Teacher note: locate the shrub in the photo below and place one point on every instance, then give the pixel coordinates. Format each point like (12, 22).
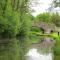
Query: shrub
(9, 19)
(26, 25)
(10, 25)
(3, 24)
(57, 46)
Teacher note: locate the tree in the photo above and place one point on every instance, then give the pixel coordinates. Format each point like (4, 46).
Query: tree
(25, 18)
(55, 18)
(56, 3)
(14, 20)
(11, 15)
(44, 17)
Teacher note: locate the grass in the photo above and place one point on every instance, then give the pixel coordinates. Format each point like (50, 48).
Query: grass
(54, 35)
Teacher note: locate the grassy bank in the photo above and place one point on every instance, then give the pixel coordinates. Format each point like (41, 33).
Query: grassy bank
(57, 49)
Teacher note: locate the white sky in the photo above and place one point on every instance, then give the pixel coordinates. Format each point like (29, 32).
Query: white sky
(39, 6)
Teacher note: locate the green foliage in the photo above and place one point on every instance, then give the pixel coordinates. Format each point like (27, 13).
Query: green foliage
(45, 17)
(32, 17)
(56, 57)
(55, 18)
(10, 21)
(25, 18)
(14, 20)
(56, 49)
(2, 6)
(3, 24)
(14, 24)
(36, 29)
(50, 18)
(26, 25)
(10, 25)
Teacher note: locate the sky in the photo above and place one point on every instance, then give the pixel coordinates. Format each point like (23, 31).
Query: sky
(39, 6)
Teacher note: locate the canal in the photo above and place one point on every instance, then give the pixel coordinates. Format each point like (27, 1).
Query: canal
(41, 51)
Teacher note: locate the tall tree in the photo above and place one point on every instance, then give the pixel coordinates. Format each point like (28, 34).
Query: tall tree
(24, 17)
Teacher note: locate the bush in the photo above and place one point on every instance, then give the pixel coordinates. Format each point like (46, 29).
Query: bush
(10, 25)
(26, 25)
(36, 29)
(3, 24)
(9, 19)
(50, 18)
(57, 47)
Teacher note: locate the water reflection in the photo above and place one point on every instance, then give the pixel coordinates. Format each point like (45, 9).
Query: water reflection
(33, 54)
